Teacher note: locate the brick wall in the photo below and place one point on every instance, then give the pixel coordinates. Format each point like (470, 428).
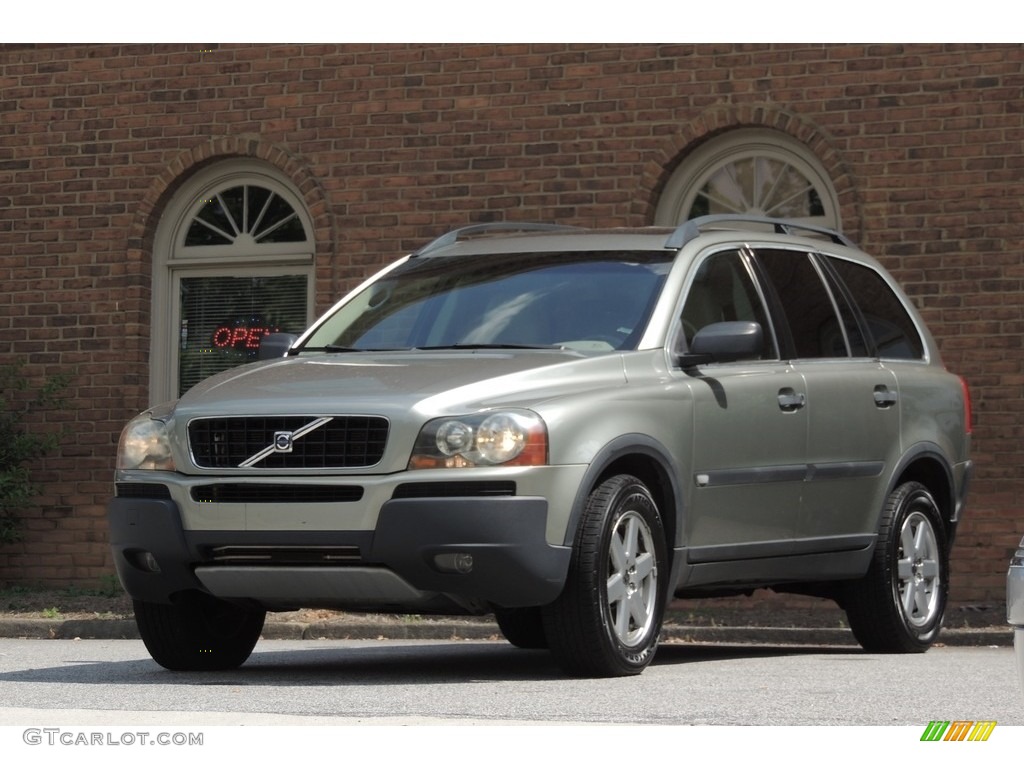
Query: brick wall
(390, 145)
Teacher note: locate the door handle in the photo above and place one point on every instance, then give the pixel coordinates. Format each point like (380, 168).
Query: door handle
(885, 397)
(790, 400)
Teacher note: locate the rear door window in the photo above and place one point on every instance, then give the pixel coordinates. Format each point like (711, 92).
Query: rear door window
(813, 328)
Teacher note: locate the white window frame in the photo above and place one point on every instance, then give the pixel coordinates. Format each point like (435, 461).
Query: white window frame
(742, 144)
(172, 260)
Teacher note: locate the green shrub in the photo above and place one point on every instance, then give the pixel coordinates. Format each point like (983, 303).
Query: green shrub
(20, 445)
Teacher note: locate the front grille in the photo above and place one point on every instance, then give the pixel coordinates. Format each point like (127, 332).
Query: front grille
(253, 493)
(262, 555)
(339, 442)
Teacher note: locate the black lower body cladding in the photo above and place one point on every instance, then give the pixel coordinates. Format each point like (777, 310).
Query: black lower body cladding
(483, 550)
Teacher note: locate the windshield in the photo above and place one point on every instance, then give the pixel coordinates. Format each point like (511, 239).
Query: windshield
(591, 302)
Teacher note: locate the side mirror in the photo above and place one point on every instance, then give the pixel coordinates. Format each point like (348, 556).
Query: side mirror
(276, 345)
(723, 343)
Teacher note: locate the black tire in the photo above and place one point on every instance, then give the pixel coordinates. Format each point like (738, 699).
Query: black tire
(523, 627)
(198, 632)
(898, 606)
(607, 621)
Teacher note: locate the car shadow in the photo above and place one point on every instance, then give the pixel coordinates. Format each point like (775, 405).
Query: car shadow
(330, 663)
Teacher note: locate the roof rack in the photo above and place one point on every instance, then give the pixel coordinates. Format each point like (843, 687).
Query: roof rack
(461, 233)
(688, 230)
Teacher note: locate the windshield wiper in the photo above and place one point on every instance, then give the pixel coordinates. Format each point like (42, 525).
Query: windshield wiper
(492, 346)
(337, 348)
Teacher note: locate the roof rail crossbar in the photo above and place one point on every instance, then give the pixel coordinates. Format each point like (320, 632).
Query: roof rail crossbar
(688, 230)
(494, 226)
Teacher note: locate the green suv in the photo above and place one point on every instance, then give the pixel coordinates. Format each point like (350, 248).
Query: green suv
(566, 428)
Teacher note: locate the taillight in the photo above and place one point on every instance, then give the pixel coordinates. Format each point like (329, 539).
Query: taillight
(968, 414)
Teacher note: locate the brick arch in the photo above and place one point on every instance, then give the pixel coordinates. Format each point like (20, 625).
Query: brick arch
(721, 118)
(150, 207)
(153, 202)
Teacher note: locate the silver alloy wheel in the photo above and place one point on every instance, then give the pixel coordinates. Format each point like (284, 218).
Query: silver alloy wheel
(918, 570)
(632, 587)
(898, 605)
(607, 620)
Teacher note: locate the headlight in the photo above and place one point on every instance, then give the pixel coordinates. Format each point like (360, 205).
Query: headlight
(145, 445)
(510, 438)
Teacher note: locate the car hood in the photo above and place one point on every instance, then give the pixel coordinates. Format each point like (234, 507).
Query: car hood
(394, 383)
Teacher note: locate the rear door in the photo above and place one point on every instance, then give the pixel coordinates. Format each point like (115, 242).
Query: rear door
(852, 402)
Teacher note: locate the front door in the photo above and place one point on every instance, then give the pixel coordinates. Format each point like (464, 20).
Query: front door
(749, 428)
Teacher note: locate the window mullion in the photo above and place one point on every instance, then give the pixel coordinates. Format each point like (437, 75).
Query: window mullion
(269, 230)
(245, 208)
(227, 213)
(263, 212)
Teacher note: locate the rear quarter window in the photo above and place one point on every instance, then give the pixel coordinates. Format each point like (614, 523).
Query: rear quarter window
(889, 325)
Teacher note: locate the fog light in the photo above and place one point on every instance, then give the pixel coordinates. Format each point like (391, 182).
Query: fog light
(143, 560)
(454, 562)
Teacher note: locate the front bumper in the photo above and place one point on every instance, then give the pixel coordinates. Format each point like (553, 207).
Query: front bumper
(447, 555)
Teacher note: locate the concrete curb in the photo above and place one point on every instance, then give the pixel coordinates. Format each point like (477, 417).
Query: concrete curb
(433, 629)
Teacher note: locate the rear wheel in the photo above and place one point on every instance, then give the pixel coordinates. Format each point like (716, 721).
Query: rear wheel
(899, 605)
(198, 632)
(607, 620)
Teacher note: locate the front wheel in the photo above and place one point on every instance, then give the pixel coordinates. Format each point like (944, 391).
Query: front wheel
(607, 620)
(899, 605)
(523, 627)
(198, 632)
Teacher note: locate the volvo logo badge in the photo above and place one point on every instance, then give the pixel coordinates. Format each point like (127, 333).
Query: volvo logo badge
(284, 441)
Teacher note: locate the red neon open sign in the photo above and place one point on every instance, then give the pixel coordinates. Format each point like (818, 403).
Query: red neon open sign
(245, 337)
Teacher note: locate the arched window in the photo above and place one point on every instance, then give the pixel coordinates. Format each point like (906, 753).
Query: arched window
(233, 261)
(750, 171)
